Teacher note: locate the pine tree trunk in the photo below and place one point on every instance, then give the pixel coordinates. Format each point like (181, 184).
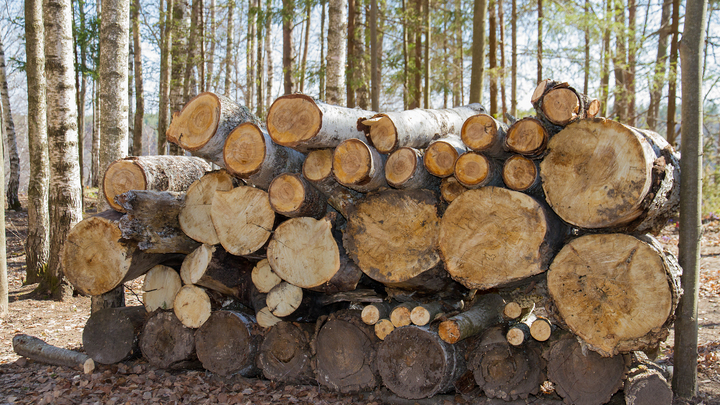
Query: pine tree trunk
(268, 56)
(37, 244)
(179, 55)
(139, 92)
(606, 55)
(230, 21)
(112, 335)
(478, 51)
(493, 44)
(193, 52)
(11, 195)
(95, 149)
(631, 63)
(513, 68)
(540, 41)
(288, 15)
(336, 51)
(352, 58)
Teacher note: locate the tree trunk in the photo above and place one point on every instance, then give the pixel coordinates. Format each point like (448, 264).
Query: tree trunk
(243, 219)
(193, 52)
(483, 133)
(354, 371)
(228, 343)
(204, 124)
(11, 196)
(375, 55)
(285, 353)
(250, 54)
(336, 51)
(112, 335)
(317, 169)
(139, 94)
(65, 192)
(195, 218)
(404, 169)
(620, 63)
(251, 155)
(540, 42)
(293, 196)
(493, 236)
(306, 44)
(166, 343)
(288, 16)
(4, 299)
(415, 363)
(358, 166)
(631, 63)
(179, 26)
(214, 268)
(268, 54)
(95, 149)
(640, 163)
(114, 298)
(36, 349)
(475, 170)
(352, 57)
(164, 86)
(492, 51)
(485, 312)
(323, 62)
(502, 73)
(230, 25)
(657, 82)
(160, 287)
(583, 378)
(152, 221)
(671, 134)
(416, 128)
(157, 173)
(37, 244)
(513, 68)
(212, 35)
(606, 55)
(299, 122)
(441, 154)
(527, 137)
(96, 258)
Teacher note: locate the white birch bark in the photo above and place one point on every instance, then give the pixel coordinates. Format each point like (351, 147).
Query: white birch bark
(10, 139)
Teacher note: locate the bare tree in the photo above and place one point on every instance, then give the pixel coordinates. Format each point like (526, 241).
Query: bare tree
(657, 81)
(166, 34)
(478, 51)
(139, 97)
(336, 50)
(228, 47)
(13, 201)
(288, 16)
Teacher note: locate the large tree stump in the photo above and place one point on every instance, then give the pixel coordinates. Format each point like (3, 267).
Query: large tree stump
(583, 377)
(214, 268)
(243, 219)
(203, 125)
(160, 287)
(228, 343)
(392, 235)
(166, 343)
(616, 292)
(485, 312)
(317, 169)
(195, 219)
(285, 354)
(603, 174)
(415, 363)
(358, 166)
(305, 252)
(159, 173)
(527, 137)
(96, 259)
(299, 122)
(345, 352)
(112, 335)
(38, 350)
(440, 156)
(405, 169)
(557, 104)
(483, 133)
(152, 221)
(475, 170)
(250, 154)
(503, 371)
(492, 236)
(293, 196)
(415, 128)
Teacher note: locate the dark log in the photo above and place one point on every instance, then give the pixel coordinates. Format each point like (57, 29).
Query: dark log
(36, 349)
(645, 383)
(166, 343)
(228, 343)
(112, 335)
(293, 196)
(485, 312)
(317, 169)
(285, 353)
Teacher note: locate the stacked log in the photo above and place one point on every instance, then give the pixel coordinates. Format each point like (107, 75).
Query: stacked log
(474, 249)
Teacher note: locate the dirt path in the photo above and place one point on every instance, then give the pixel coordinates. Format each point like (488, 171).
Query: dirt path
(135, 382)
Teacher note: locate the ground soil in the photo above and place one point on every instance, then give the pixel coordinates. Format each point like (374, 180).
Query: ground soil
(136, 382)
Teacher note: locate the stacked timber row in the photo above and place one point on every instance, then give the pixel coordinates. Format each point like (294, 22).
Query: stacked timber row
(437, 250)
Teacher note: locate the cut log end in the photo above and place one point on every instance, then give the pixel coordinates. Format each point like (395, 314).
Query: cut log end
(527, 137)
(539, 90)
(439, 158)
(541, 329)
(160, 287)
(228, 344)
(352, 162)
(479, 132)
(284, 299)
(318, 165)
(195, 219)
(196, 124)
(194, 265)
(472, 169)
(519, 173)
(420, 316)
(293, 196)
(293, 119)
(382, 134)
(244, 150)
(383, 328)
(400, 166)
(515, 336)
(593, 108)
(122, 176)
(266, 319)
(243, 219)
(450, 189)
(512, 310)
(165, 342)
(263, 277)
(449, 331)
(111, 334)
(561, 105)
(400, 315)
(192, 306)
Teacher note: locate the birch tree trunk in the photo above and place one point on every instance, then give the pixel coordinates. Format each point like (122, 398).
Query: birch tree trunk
(37, 244)
(211, 52)
(336, 50)
(228, 47)
(165, 65)
(11, 195)
(250, 54)
(65, 192)
(139, 96)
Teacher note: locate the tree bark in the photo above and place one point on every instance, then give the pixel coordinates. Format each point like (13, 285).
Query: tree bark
(112, 335)
(352, 57)
(239, 340)
(540, 41)
(513, 67)
(195, 218)
(605, 63)
(166, 343)
(657, 82)
(306, 44)
(358, 166)
(485, 312)
(11, 195)
(671, 134)
(165, 71)
(212, 35)
(160, 287)
(478, 51)
(139, 92)
(293, 196)
(288, 15)
(492, 55)
(193, 52)
(36, 349)
(4, 299)
(243, 219)
(285, 353)
(336, 50)
(268, 54)
(229, 33)
(250, 54)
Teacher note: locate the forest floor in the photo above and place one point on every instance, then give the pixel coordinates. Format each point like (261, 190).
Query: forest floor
(136, 382)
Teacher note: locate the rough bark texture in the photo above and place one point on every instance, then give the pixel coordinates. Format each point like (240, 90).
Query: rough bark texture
(285, 353)
(36, 349)
(159, 173)
(336, 51)
(359, 166)
(243, 219)
(152, 220)
(139, 93)
(37, 245)
(228, 343)
(291, 195)
(65, 194)
(166, 343)
(415, 363)
(317, 169)
(11, 195)
(646, 385)
(195, 219)
(165, 67)
(112, 335)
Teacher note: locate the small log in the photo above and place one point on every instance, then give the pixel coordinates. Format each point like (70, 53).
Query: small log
(284, 299)
(415, 363)
(160, 287)
(192, 306)
(356, 369)
(166, 343)
(195, 219)
(358, 166)
(483, 133)
(285, 354)
(228, 343)
(96, 259)
(301, 123)
(583, 377)
(305, 252)
(405, 169)
(503, 371)
(214, 268)
(527, 137)
(317, 169)
(372, 313)
(263, 276)
(603, 174)
(415, 128)
(515, 310)
(541, 329)
(243, 219)
(630, 285)
(484, 313)
(36, 349)
(383, 328)
(450, 189)
(519, 332)
(440, 156)
(520, 173)
(293, 196)
(493, 236)
(159, 173)
(205, 122)
(557, 104)
(112, 335)
(250, 154)
(645, 383)
(152, 221)
(424, 314)
(263, 316)
(475, 170)
(400, 315)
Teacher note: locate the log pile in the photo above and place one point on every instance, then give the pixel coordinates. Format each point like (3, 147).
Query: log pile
(424, 250)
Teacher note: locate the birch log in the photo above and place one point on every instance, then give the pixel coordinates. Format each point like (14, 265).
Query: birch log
(291, 195)
(317, 169)
(36, 349)
(475, 170)
(527, 137)
(441, 154)
(405, 169)
(483, 133)
(485, 312)
(558, 104)
(358, 166)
